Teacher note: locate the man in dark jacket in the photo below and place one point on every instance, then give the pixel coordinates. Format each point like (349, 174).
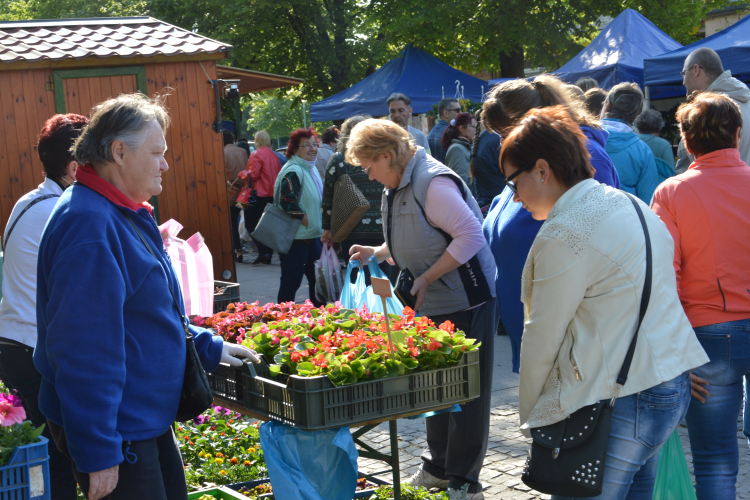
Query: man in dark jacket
(447, 110)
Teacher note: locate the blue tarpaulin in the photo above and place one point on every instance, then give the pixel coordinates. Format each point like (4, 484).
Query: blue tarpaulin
(732, 44)
(616, 55)
(422, 77)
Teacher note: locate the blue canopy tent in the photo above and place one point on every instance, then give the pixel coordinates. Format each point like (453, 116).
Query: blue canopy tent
(616, 55)
(422, 77)
(732, 44)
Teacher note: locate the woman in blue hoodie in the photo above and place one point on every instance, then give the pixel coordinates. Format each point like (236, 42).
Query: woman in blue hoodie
(509, 228)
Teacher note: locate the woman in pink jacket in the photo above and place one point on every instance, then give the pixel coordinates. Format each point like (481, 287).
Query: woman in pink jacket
(707, 211)
(263, 167)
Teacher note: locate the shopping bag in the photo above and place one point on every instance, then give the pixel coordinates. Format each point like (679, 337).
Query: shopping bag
(193, 266)
(304, 465)
(673, 480)
(354, 296)
(329, 281)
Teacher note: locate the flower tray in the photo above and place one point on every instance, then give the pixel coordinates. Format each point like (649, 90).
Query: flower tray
(26, 477)
(227, 382)
(314, 403)
(231, 293)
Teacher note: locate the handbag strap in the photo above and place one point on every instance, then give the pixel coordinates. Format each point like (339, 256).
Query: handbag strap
(623, 376)
(151, 251)
(26, 208)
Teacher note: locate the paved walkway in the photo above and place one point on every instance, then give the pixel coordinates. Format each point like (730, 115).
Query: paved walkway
(501, 474)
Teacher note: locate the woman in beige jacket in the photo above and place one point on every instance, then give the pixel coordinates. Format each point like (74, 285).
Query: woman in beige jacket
(582, 286)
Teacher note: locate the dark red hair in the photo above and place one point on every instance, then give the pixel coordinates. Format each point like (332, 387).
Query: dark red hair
(451, 131)
(55, 140)
(296, 137)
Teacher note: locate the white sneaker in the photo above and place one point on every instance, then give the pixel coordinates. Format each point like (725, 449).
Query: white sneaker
(427, 480)
(463, 494)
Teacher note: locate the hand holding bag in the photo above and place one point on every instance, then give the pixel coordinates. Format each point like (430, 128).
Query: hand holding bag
(276, 228)
(568, 457)
(196, 396)
(349, 206)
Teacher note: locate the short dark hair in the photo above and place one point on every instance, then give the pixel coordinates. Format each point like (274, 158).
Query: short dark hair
(55, 140)
(228, 137)
(445, 104)
(709, 122)
(625, 102)
(594, 101)
(296, 137)
(708, 60)
(587, 83)
(330, 135)
(551, 134)
(649, 122)
(398, 96)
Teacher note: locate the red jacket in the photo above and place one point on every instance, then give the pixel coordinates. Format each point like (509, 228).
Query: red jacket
(707, 211)
(264, 166)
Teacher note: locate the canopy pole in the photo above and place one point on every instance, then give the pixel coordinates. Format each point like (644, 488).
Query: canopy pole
(647, 101)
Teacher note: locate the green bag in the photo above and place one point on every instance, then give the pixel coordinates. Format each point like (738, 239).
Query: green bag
(673, 480)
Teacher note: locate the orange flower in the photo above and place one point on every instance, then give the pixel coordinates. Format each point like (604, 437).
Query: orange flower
(447, 326)
(233, 461)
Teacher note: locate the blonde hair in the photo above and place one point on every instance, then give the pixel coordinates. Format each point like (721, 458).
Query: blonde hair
(372, 137)
(262, 139)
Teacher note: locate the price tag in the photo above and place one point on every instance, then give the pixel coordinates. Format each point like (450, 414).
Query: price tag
(382, 288)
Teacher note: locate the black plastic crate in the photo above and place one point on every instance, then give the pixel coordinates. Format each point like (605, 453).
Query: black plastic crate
(314, 403)
(231, 294)
(227, 382)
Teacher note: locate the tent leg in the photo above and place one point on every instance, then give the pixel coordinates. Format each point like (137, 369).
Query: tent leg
(647, 101)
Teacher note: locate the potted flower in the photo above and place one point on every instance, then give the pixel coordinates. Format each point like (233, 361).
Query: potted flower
(15, 430)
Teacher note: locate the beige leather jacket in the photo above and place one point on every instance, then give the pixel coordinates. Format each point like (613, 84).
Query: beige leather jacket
(581, 289)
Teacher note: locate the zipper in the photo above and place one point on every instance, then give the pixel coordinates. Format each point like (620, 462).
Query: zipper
(722, 294)
(573, 361)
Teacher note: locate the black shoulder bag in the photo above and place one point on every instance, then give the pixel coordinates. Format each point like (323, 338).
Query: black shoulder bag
(33, 202)
(567, 458)
(196, 396)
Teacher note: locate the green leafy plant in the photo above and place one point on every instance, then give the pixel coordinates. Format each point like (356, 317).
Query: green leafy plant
(14, 430)
(408, 492)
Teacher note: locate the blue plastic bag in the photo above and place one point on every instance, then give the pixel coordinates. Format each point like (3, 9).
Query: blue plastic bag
(302, 465)
(354, 296)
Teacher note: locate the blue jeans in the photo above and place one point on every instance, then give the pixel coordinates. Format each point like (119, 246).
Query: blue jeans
(713, 425)
(299, 262)
(641, 424)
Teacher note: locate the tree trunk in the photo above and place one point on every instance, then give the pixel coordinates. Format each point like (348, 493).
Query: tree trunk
(511, 63)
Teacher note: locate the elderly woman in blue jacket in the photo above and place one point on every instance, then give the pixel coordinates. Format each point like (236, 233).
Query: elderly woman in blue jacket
(111, 342)
(509, 228)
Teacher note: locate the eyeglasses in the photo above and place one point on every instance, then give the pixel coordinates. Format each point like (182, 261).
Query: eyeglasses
(684, 72)
(309, 145)
(509, 180)
(456, 110)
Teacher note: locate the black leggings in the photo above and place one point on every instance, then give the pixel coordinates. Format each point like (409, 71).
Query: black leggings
(152, 468)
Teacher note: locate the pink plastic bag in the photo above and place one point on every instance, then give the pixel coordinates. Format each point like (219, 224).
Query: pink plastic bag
(194, 267)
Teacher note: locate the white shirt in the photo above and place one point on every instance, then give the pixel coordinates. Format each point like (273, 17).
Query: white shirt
(18, 305)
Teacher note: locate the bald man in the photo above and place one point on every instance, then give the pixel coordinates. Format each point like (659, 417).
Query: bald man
(703, 72)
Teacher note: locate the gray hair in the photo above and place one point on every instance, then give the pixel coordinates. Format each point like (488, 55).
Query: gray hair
(625, 102)
(346, 130)
(443, 105)
(649, 122)
(707, 59)
(122, 118)
(398, 96)
(586, 83)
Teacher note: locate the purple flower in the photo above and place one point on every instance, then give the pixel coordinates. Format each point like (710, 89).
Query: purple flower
(218, 410)
(200, 419)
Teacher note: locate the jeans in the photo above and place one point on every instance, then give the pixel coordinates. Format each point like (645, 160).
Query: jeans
(641, 424)
(457, 441)
(713, 425)
(252, 217)
(152, 468)
(18, 372)
(298, 262)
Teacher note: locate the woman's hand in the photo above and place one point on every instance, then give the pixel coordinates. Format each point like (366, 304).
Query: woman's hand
(103, 482)
(304, 221)
(326, 238)
(699, 392)
(232, 354)
(361, 253)
(418, 290)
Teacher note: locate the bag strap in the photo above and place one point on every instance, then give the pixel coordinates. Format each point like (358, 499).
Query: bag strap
(623, 376)
(150, 250)
(33, 202)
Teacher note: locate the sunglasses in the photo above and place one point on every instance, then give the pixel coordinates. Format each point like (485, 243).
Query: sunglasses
(509, 180)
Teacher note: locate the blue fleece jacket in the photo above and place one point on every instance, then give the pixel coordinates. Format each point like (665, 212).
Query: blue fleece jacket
(111, 347)
(634, 162)
(510, 230)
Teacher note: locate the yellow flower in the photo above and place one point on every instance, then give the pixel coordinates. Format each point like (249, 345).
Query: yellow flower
(251, 450)
(219, 460)
(223, 472)
(202, 454)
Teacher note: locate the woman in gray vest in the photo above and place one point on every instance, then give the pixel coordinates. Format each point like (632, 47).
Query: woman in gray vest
(432, 228)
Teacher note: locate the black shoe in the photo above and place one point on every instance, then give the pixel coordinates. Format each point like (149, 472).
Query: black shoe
(262, 259)
(238, 257)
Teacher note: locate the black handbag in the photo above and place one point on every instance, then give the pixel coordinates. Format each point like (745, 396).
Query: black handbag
(568, 458)
(196, 396)
(403, 288)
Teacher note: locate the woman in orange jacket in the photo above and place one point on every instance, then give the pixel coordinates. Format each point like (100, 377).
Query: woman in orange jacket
(707, 211)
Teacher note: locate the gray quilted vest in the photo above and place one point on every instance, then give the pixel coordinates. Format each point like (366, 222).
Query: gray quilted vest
(416, 245)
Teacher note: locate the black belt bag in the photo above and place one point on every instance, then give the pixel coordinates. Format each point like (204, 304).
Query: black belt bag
(568, 458)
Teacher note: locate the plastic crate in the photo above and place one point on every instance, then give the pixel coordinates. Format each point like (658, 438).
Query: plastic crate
(26, 477)
(220, 493)
(314, 403)
(231, 294)
(227, 382)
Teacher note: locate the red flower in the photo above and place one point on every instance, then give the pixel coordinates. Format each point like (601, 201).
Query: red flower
(447, 326)
(434, 345)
